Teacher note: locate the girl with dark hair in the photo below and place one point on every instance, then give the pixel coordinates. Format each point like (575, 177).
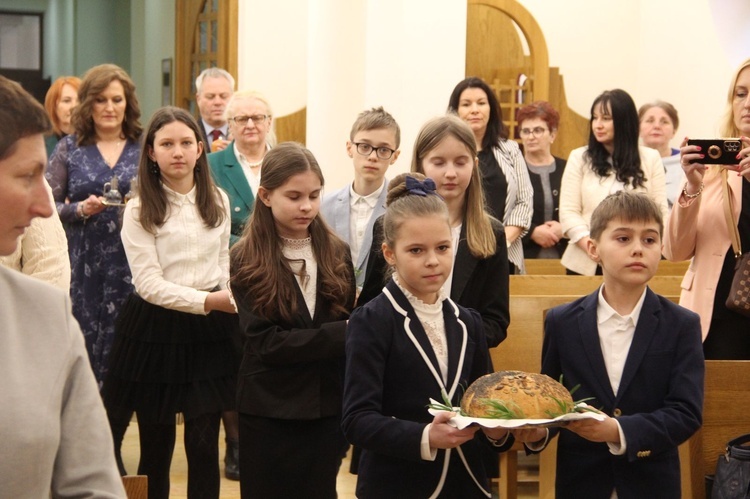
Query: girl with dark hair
(293, 282)
(611, 162)
(173, 351)
(414, 330)
(505, 179)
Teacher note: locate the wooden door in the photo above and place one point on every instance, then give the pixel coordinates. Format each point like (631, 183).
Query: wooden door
(205, 36)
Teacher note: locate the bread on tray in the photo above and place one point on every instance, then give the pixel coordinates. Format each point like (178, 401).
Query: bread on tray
(516, 395)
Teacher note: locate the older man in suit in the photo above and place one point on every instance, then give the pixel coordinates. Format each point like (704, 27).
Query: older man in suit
(213, 89)
(55, 437)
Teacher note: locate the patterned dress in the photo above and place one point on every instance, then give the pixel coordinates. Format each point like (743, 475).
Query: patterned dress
(100, 276)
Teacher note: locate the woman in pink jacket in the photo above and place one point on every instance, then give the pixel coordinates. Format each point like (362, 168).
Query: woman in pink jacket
(697, 229)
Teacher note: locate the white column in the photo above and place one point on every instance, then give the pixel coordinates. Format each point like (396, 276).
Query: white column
(406, 55)
(336, 55)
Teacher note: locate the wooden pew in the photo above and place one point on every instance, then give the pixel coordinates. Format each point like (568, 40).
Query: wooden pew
(542, 266)
(580, 285)
(726, 415)
(522, 351)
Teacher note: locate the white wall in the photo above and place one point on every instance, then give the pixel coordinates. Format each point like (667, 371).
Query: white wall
(413, 54)
(667, 49)
(341, 58)
(272, 39)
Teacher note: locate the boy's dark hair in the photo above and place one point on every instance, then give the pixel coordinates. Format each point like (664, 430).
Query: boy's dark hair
(628, 206)
(20, 116)
(373, 119)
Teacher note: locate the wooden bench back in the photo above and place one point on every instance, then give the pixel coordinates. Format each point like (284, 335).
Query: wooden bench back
(574, 285)
(726, 415)
(541, 266)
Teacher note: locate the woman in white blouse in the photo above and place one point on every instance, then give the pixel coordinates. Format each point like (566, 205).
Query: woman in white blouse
(611, 162)
(172, 351)
(508, 193)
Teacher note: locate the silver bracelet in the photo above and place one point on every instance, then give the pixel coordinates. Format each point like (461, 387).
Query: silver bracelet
(692, 196)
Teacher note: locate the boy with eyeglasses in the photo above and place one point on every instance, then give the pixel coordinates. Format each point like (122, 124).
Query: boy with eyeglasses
(351, 212)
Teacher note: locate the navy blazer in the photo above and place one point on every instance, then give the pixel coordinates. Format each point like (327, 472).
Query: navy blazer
(659, 403)
(336, 209)
(391, 372)
(481, 284)
(530, 248)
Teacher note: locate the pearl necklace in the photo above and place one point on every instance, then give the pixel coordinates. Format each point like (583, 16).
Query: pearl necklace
(255, 165)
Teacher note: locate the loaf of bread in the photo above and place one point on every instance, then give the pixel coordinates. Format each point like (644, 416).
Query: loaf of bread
(516, 395)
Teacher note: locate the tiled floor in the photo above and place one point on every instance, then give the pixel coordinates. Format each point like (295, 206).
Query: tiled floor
(231, 490)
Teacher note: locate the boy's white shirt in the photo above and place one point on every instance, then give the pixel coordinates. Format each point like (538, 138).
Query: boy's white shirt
(361, 209)
(615, 338)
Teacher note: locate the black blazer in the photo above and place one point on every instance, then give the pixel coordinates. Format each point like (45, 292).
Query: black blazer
(204, 136)
(478, 284)
(391, 372)
(659, 403)
(292, 370)
(530, 248)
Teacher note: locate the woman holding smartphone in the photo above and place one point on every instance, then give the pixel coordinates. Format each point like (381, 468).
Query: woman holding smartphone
(697, 229)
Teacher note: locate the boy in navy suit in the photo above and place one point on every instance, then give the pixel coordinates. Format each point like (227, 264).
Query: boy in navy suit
(351, 212)
(636, 355)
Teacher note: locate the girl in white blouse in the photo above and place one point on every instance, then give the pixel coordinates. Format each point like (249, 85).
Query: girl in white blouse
(293, 281)
(173, 351)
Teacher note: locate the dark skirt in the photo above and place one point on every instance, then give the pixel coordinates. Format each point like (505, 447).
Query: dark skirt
(165, 362)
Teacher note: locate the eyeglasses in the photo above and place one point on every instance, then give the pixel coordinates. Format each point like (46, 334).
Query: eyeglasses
(366, 149)
(257, 119)
(536, 131)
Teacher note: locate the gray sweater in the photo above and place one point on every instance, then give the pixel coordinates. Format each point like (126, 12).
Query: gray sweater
(53, 427)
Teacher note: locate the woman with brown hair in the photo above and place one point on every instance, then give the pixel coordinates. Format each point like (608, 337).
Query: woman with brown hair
(104, 147)
(59, 102)
(103, 150)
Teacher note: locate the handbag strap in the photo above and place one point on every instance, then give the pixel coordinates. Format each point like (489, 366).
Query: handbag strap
(735, 447)
(731, 226)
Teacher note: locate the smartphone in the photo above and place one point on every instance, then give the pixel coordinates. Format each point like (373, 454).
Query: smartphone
(717, 151)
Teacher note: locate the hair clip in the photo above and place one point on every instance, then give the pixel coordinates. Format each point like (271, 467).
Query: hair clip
(423, 188)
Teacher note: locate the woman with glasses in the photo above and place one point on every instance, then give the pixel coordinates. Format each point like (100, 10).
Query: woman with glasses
(236, 169)
(611, 162)
(505, 180)
(538, 123)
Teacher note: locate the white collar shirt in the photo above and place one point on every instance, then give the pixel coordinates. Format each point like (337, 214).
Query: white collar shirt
(361, 209)
(616, 335)
(251, 174)
(183, 260)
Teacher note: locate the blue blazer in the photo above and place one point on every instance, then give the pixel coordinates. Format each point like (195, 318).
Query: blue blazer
(659, 403)
(227, 173)
(336, 209)
(391, 372)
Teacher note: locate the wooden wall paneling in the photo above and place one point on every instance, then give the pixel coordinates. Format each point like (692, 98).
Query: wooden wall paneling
(292, 127)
